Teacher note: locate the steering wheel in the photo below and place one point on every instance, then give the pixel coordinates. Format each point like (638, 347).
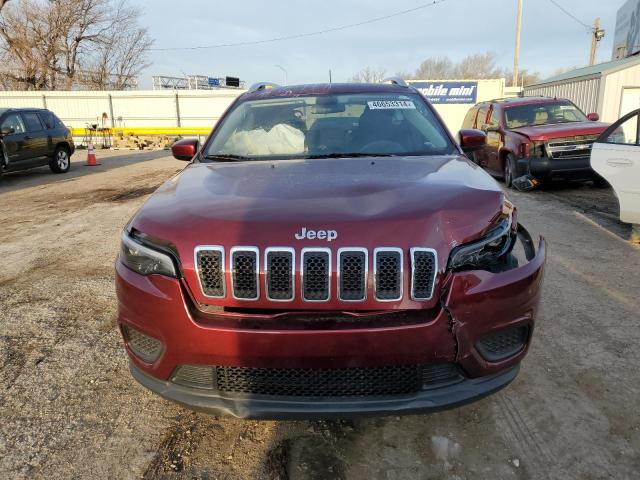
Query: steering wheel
(381, 146)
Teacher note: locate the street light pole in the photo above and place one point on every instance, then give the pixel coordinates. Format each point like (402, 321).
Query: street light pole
(516, 56)
(284, 71)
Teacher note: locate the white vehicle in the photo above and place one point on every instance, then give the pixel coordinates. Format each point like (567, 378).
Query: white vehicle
(615, 155)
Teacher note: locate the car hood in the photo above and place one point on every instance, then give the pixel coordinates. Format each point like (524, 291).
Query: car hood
(561, 130)
(433, 201)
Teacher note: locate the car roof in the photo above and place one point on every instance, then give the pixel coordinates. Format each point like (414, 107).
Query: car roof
(22, 109)
(516, 101)
(324, 89)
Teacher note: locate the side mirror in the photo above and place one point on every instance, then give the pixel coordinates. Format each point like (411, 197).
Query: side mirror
(594, 117)
(6, 131)
(185, 149)
(471, 140)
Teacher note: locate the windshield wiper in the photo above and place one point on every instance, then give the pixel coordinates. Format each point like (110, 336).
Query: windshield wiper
(225, 157)
(350, 155)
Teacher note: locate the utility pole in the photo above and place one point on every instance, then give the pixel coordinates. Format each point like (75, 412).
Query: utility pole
(596, 35)
(284, 71)
(516, 56)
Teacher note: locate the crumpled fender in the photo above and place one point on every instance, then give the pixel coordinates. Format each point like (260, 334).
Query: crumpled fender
(480, 302)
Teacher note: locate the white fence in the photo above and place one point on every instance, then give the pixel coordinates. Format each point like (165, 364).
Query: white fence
(139, 108)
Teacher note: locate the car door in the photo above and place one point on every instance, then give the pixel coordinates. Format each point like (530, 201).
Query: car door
(13, 144)
(36, 137)
(494, 140)
(615, 156)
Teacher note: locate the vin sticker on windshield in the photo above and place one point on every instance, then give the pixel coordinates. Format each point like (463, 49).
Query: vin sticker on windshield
(390, 104)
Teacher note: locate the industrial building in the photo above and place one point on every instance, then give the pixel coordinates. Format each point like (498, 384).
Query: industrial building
(611, 89)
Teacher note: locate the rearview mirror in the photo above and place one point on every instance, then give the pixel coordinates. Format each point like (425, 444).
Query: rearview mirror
(594, 117)
(6, 131)
(471, 140)
(185, 149)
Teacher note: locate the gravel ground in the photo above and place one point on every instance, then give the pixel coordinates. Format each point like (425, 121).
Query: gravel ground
(69, 408)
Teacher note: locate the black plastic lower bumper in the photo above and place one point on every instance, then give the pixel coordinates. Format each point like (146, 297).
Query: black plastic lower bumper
(268, 407)
(547, 168)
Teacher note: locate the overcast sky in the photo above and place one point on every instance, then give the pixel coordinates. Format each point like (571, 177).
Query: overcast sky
(454, 28)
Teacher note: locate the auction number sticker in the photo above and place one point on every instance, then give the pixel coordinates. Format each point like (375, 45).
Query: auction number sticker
(390, 104)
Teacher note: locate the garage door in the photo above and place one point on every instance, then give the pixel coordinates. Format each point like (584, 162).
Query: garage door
(630, 100)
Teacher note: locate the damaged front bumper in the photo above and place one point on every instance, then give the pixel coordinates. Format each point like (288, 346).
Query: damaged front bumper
(474, 306)
(545, 168)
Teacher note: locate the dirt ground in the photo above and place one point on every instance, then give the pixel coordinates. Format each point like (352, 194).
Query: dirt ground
(69, 408)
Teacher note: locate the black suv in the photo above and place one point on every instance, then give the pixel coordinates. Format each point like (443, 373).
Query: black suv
(33, 137)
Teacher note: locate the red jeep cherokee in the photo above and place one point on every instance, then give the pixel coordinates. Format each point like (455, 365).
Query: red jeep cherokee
(544, 137)
(328, 251)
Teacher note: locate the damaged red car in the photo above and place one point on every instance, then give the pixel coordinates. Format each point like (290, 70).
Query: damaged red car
(328, 251)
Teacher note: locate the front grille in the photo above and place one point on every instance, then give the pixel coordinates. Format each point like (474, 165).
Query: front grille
(146, 348)
(352, 268)
(504, 343)
(571, 147)
(316, 273)
(210, 265)
(280, 274)
(244, 273)
(388, 273)
(280, 269)
(336, 382)
(423, 263)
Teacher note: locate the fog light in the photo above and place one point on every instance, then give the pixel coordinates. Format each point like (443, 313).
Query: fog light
(146, 348)
(504, 343)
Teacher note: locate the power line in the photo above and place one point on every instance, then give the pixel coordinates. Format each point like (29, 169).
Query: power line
(307, 34)
(567, 12)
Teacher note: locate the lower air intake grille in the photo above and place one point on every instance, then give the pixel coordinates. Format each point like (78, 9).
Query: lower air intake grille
(388, 275)
(316, 270)
(423, 274)
(198, 376)
(339, 382)
(279, 273)
(503, 344)
(146, 348)
(245, 274)
(353, 275)
(210, 264)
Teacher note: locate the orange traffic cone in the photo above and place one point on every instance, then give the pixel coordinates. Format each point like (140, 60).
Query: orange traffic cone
(91, 157)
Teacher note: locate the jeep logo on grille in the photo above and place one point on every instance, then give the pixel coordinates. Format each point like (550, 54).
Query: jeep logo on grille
(328, 235)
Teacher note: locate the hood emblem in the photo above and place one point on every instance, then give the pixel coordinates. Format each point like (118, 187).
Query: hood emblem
(328, 235)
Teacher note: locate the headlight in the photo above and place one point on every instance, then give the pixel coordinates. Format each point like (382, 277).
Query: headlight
(144, 260)
(486, 252)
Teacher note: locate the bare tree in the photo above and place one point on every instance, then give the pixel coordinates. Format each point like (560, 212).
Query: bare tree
(434, 68)
(369, 75)
(94, 44)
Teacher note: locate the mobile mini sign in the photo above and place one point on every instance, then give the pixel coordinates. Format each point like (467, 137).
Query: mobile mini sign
(448, 92)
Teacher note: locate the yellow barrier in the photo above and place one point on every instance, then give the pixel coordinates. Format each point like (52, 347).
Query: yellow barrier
(147, 131)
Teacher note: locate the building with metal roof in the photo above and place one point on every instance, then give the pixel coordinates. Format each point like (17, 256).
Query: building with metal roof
(610, 89)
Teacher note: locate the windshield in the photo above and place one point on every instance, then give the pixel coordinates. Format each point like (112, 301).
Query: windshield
(543, 114)
(329, 126)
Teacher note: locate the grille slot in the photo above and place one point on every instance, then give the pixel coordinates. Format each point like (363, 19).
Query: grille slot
(210, 265)
(337, 382)
(146, 348)
(388, 274)
(316, 274)
(244, 273)
(423, 273)
(353, 268)
(198, 376)
(280, 274)
(504, 343)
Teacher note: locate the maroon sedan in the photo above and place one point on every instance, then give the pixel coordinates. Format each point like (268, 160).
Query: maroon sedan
(328, 251)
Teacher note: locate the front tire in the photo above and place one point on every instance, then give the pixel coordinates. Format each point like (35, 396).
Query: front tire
(509, 170)
(61, 161)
